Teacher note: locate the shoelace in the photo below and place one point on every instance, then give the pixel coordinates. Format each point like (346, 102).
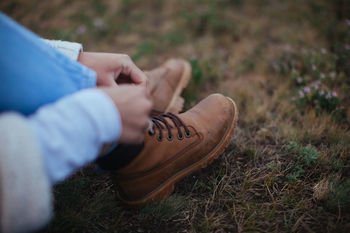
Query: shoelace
(159, 122)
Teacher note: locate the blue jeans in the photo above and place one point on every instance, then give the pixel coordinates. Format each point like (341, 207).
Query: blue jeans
(33, 73)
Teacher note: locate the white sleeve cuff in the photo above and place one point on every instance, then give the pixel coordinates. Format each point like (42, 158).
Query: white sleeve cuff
(70, 49)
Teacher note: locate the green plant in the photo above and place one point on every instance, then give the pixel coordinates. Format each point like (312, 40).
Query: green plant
(306, 155)
(124, 27)
(99, 7)
(125, 7)
(313, 76)
(296, 174)
(175, 37)
(202, 73)
(144, 48)
(284, 63)
(342, 49)
(317, 97)
(205, 226)
(65, 35)
(339, 197)
(197, 73)
(288, 221)
(209, 17)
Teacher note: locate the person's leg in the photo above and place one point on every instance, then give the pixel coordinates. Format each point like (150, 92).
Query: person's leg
(33, 73)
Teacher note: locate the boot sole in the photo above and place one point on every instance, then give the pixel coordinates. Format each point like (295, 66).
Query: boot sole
(166, 188)
(176, 102)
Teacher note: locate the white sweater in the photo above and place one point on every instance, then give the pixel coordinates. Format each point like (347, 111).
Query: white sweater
(25, 193)
(44, 148)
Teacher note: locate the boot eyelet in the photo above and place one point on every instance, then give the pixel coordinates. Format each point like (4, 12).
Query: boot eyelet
(180, 136)
(188, 134)
(159, 138)
(169, 137)
(150, 133)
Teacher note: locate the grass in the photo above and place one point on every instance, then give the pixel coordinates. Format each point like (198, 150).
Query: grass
(144, 48)
(286, 65)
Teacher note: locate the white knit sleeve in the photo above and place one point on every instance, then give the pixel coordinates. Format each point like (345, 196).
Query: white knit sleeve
(25, 192)
(72, 130)
(70, 49)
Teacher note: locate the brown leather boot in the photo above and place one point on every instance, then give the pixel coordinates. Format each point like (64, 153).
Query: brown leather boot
(176, 146)
(166, 83)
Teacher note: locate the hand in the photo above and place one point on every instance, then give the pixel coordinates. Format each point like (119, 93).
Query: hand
(134, 108)
(113, 68)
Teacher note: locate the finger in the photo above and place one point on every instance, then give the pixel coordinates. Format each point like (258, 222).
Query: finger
(110, 81)
(105, 80)
(147, 126)
(147, 99)
(136, 75)
(116, 74)
(148, 105)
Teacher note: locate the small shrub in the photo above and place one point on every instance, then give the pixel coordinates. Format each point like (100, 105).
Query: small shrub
(284, 63)
(318, 98)
(197, 73)
(313, 75)
(202, 73)
(305, 158)
(306, 155)
(296, 174)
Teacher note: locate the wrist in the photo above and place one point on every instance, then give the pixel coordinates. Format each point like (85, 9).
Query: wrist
(82, 58)
(80, 55)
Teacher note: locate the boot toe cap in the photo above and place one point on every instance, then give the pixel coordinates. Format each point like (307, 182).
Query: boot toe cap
(217, 118)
